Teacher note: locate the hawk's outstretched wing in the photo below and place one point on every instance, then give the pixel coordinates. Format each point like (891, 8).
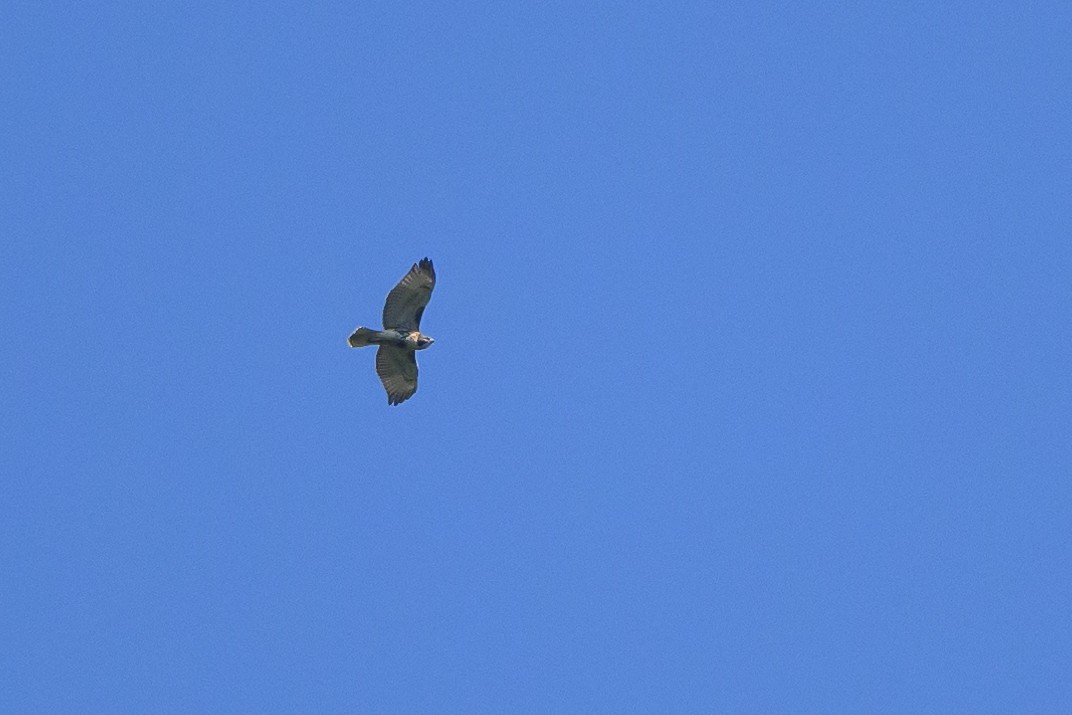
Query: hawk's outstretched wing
(397, 368)
(406, 301)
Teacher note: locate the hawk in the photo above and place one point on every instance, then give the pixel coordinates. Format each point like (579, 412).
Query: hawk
(396, 359)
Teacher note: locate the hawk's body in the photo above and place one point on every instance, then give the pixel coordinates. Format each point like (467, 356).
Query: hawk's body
(396, 361)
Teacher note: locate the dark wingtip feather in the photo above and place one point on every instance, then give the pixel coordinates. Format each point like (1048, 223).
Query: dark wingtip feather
(425, 264)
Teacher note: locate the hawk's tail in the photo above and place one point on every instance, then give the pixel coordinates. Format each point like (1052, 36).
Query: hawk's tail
(362, 337)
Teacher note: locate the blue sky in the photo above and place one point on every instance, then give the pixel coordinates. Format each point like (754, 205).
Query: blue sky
(750, 389)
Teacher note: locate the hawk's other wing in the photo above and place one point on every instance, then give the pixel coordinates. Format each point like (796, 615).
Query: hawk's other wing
(397, 368)
(406, 301)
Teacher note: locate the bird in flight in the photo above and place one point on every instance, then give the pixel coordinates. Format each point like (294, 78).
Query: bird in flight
(396, 359)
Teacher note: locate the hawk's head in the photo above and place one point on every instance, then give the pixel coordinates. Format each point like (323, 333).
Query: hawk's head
(424, 341)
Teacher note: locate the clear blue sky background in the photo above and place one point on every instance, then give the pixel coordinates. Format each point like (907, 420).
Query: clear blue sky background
(750, 389)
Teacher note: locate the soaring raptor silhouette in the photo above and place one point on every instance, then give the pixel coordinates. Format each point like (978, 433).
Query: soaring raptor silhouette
(396, 360)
